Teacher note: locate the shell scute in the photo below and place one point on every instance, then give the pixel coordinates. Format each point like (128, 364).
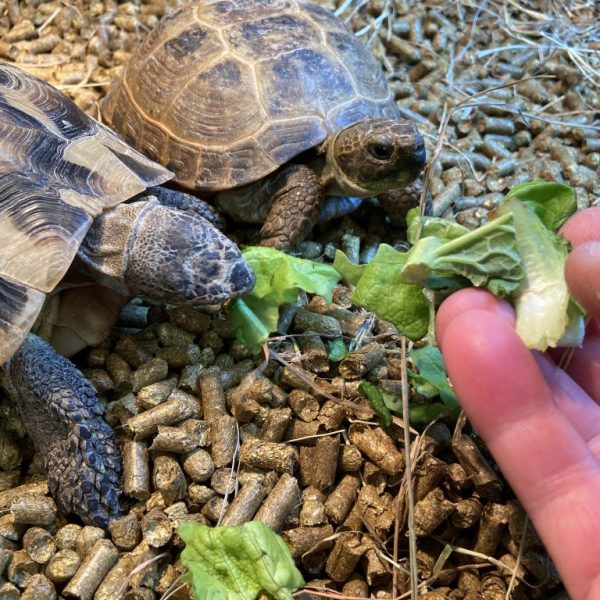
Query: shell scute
(58, 169)
(187, 42)
(264, 39)
(368, 82)
(215, 115)
(225, 11)
(358, 109)
(282, 140)
(19, 307)
(303, 82)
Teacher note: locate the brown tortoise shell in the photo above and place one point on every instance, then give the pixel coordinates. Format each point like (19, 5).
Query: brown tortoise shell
(58, 170)
(223, 92)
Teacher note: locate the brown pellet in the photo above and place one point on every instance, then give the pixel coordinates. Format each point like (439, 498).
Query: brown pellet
(275, 424)
(318, 465)
(493, 521)
(342, 498)
(213, 396)
(24, 30)
(487, 483)
(32, 509)
(153, 371)
(269, 456)
(8, 496)
(136, 470)
(168, 478)
(62, 566)
(38, 543)
(302, 539)
(379, 447)
(173, 439)
(304, 405)
(155, 393)
(39, 587)
(178, 407)
(21, 568)
(87, 538)
(9, 591)
(466, 513)
(224, 440)
(125, 532)
(314, 353)
(245, 504)
(344, 557)
(92, 571)
(115, 580)
(376, 510)
(132, 352)
(402, 48)
(156, 529)
(321, 324)
(499, 125)
(362, 360)
(198, 465)
(431, 511)
(280, 502)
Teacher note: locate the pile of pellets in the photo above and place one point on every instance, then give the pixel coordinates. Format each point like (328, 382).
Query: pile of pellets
(212, 434)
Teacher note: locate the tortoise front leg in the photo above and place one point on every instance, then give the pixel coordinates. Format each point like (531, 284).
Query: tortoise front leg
(288, 203)
(297, 195)
(398, 202)
(63, 417)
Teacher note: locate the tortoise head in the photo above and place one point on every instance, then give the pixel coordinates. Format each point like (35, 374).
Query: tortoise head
(375, 156)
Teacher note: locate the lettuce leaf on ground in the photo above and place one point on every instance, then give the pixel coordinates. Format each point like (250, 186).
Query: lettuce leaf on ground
(432, 370)
(383, 289)
(237, 563)
(279, 279)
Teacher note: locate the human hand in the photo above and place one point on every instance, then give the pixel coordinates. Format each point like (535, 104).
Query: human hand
(542, 424)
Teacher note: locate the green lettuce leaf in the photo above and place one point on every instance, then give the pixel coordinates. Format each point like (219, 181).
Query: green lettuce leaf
(279, 279)
(383, 290)
(552, 202)
(432, 370)
(349, 271)
(336, 349)
(542, 299)
(442, 229)
(237, 563)
(484, 255)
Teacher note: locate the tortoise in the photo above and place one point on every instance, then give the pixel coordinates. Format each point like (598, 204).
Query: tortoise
(64, 183)
(271, 105)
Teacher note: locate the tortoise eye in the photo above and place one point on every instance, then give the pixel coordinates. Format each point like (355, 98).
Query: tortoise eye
(381, 151)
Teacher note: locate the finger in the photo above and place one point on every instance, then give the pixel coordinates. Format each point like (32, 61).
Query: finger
(547, 463)
(584, 366)
(574, 402)
(582, 272)
(469, 299)
(583, 226)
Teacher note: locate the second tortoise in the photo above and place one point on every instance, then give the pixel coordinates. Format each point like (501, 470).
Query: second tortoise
(273, 105)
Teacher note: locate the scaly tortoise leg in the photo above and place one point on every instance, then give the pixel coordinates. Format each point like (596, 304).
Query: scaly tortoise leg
(397, 203)
(63, 417)
(287, 202)
(297, 195)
